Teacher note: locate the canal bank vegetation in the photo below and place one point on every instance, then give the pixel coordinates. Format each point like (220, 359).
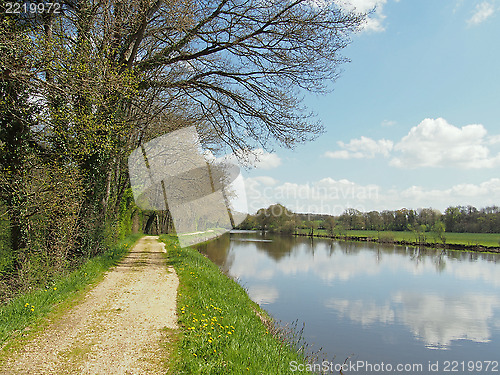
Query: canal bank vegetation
(460, 227)
(222, 331)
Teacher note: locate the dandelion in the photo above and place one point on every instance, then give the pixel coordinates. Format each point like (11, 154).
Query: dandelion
(55, 288)
(26, 305)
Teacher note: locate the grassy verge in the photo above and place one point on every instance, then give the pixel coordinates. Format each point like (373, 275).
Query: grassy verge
(221, 330)
(470, 239)
(25, 311)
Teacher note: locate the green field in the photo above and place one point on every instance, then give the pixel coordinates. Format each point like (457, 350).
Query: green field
(472, 239)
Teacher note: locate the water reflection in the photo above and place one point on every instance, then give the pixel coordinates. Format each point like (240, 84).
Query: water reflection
(403, 299)
(438, 320)
(435, 320)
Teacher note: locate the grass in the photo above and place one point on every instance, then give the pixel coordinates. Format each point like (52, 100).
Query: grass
(221, 330)
(472, 239)
(26, 311)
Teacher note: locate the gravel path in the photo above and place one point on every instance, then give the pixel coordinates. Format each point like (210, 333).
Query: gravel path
(116, 329)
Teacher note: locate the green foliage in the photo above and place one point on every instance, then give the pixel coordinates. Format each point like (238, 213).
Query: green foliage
(222, 330)
(276, 219)
(438, 230)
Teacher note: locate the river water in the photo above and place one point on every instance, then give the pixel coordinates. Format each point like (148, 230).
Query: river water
(380, 307)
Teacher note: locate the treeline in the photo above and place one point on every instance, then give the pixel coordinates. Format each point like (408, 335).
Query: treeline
(458, 219)
(85, 84)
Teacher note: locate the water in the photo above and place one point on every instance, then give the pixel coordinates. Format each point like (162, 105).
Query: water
(374, 304)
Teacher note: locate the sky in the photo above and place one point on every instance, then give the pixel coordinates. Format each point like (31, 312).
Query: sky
(413, 121)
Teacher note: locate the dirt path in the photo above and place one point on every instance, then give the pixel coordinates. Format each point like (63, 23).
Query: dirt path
(118, 326)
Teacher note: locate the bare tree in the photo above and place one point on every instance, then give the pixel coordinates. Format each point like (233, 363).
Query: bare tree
(238, 66)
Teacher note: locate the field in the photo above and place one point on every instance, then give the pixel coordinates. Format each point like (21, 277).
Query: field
(472, 239)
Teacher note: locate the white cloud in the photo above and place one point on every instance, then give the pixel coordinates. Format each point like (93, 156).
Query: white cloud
(432, 143)
(324, 196)
(437, 320)
(482, 12)
(258, 158)
(375, 21)
(388, 123)
(480, 195)
(440, 320)
(334, 196)
(263, 294)
(265, 180)
(361, 311)
(436, 143)
(363, 147)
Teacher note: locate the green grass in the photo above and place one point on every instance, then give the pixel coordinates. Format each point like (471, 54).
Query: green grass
(220, 331)
(24, 312)
(473, 239)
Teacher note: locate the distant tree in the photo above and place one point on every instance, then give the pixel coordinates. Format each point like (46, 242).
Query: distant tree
(452, 218)
(312, 226)
(352, 219)
(387, 219)
(428, 216)
(373, 220)
(438, 230)
(329, 223)
(419, 230)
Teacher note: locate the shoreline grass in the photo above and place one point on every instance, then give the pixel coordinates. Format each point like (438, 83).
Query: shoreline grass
(222, 331)
(466, 239)
(25, 313)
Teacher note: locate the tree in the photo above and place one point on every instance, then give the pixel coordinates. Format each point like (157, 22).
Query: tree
(438, 229)
(115, 74)
(352, 219)
(16, 119)
(329, 224)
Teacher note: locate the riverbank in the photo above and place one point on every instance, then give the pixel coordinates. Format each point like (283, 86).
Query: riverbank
(222, 331)
(479, 242)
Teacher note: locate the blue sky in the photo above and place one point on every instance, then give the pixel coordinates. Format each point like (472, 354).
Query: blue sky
(413, 121)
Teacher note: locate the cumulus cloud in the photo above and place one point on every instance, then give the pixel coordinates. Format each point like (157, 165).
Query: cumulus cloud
(324, 196)
(334, 196)
(440, 320)
(432, 143)
(362, 148)
(263, 294)
(483, 194)
(258, 158)
(436, 320)
(388, 123)
(436, 143)
(375, 20)
(482, 12)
